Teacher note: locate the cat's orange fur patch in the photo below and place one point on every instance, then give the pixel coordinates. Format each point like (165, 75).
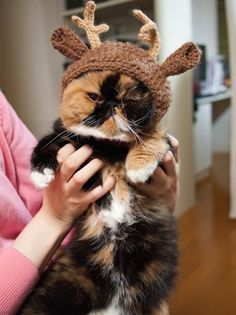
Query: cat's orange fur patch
(152, 150)
(150, 272)
(120, 113)
(118, 172)
(126, 81)
(75, 104)
(104, 256)
(93, 227)
(121, 187)
(109, 127)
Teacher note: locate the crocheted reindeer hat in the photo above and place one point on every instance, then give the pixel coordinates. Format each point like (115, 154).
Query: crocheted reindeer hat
(122, 57)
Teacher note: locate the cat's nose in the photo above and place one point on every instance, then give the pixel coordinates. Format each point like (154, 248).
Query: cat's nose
(111, 104)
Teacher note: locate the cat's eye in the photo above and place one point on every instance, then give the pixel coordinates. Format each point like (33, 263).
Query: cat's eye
(132, 99)
(93, 96)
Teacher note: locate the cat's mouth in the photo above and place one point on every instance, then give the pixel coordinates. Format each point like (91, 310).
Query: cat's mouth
(113, 128)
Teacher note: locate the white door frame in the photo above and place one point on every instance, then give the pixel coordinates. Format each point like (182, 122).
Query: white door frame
(231, 23)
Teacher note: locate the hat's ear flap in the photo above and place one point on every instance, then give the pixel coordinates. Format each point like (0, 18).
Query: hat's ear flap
(183, 59)
(68, 43)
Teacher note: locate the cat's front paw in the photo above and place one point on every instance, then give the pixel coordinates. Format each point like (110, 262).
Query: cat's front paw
(42, 179)
(141, 175)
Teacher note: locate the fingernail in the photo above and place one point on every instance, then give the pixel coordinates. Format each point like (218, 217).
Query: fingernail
(168, 156)
(88, 148)
(59, 158)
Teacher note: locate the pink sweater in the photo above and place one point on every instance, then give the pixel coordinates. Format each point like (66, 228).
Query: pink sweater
(19, 201)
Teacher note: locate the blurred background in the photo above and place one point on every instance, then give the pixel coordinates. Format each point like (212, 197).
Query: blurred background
(202, 117)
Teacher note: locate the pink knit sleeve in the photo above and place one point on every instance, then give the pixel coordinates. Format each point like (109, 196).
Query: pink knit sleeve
(21, 143)
(16, 281)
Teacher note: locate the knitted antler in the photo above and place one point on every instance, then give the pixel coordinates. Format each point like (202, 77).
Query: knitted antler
(148, 33)
(88, 24)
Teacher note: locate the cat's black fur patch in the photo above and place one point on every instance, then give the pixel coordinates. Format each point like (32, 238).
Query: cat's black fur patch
(139, 108)
(109, 88)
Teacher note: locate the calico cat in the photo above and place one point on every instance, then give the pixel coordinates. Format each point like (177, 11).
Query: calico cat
(123, 257)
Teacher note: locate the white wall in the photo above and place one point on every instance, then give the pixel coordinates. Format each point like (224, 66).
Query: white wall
(30, 67)
(231, 18)
(202, 130)
(175, 26)
(205, 24)
(221, 134)
(205, 31)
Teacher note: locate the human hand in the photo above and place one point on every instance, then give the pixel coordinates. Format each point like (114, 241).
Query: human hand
(163, 185)
(64, 198)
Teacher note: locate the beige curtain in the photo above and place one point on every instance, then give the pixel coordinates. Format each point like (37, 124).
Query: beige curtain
(231, 23)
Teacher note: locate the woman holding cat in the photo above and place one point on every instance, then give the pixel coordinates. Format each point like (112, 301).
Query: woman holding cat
(33, 226)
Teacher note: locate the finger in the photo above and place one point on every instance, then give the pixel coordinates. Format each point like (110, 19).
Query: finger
(84, 174)
(169, 164)
(157, 183)
(175, 145)
(159, 176)
(74, 161)
(64, 152)
(100, 190)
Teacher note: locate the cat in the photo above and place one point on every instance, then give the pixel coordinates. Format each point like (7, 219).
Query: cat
(123, 257)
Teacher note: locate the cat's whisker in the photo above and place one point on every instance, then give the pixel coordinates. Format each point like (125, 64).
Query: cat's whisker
(89, 120)
(131, 89)
(142, 118)
(136, 122)
(122, 103)
(59, 141)
(139, 131)
(97, 122)
(64, 132)
(133, 132)
(92, 121)
(133, 124)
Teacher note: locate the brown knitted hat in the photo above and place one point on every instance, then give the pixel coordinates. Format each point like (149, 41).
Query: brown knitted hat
(125, 58)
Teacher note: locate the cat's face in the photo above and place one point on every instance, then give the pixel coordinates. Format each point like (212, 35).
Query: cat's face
(108, 105)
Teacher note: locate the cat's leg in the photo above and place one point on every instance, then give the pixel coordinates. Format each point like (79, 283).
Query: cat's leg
(143, 158)
(43, 160)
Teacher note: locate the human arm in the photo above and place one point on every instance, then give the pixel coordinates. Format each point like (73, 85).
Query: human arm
(19, 200)
(64, 200)
(16, 144)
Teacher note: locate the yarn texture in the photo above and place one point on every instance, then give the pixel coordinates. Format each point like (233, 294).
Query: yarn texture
(124, 58)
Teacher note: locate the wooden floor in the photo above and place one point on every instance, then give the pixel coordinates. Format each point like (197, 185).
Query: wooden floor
(207, 280)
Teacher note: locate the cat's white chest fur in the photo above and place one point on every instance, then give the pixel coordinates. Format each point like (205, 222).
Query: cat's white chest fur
(110, 310)
(117, 213)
